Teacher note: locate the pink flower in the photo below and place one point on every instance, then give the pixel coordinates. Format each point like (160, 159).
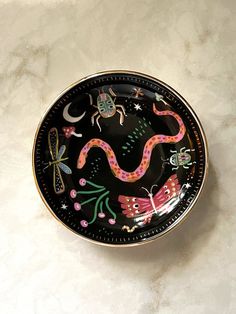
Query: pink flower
(82, 182)
(111, 221)
(77, 206)
(73, 193)
(101, 215)
(84, 223)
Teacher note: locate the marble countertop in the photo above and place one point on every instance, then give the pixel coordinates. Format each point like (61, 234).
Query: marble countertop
(45, 46)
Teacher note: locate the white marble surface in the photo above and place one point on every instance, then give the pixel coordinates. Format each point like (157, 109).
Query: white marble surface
(46, 45)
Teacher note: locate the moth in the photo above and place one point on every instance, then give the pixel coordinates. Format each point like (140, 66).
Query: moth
(163, 202)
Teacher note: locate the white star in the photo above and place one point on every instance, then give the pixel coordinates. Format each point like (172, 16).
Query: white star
(187, 185)
(64, 206)
(137, 107)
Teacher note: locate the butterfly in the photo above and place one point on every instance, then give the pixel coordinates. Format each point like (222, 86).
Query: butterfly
(163, 202)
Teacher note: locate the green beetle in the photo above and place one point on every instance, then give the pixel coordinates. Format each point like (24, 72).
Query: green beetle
(106, 109)
(180, 159)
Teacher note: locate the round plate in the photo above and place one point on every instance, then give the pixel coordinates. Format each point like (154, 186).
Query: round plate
(120, 158)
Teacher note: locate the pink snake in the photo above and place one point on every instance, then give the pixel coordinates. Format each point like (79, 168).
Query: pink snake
(147, 151)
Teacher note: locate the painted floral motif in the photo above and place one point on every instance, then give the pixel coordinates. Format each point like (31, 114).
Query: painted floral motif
(99, 197)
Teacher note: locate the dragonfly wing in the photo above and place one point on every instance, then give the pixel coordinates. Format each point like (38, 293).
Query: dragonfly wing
(65, 168)
(58, 183)
(61, 151)
(53, 142)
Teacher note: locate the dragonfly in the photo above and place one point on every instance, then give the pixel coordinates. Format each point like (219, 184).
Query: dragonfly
(57, 161)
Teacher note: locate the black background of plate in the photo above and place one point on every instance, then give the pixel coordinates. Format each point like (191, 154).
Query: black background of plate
(116, 136)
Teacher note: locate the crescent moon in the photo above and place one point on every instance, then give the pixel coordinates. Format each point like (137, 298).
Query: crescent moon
(69, 118)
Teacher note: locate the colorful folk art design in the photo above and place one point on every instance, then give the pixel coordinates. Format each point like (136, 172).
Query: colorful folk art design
(57, 161)
(69, 131)
(140, 209)
(134, 137)
(98, 196)
(158, 142)
(180, 159)
(135, 175)
(107, 108)
(163, 202)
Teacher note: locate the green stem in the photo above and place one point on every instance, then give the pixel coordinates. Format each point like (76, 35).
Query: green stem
(90, 192)
(109, 208)
(96, 206)
(88, 201)
(101, 210)
(94, 185)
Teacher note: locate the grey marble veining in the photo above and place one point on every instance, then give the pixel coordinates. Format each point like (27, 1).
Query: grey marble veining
(45, 46)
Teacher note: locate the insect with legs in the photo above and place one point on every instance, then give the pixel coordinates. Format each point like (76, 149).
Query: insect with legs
(57, 161)
(180, 159)
(106, 108)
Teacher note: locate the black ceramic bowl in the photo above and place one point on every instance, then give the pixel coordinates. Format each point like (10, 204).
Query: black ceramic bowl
(120, 158)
